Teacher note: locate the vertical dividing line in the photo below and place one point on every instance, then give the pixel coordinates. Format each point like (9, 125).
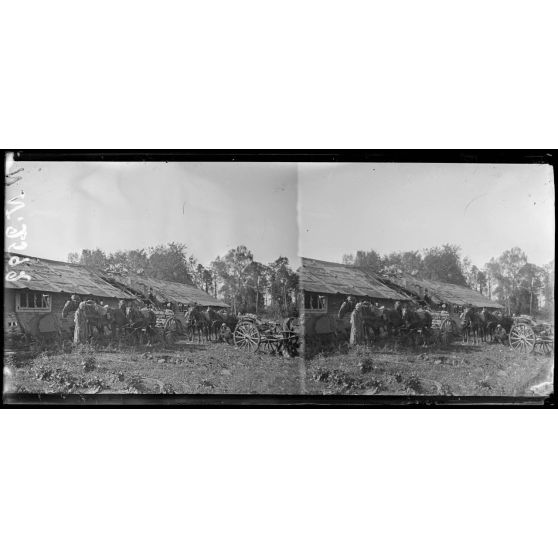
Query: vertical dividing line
(300, 301)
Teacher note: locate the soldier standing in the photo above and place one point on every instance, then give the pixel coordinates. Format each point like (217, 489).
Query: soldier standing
(358, 336)
(347, 306)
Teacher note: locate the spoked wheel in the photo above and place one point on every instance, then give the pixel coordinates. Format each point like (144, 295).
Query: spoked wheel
(247, 337)
(544, 346)
(522, 338)
(270, 345)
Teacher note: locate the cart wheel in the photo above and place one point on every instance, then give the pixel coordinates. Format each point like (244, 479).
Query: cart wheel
(246, 336)
(544, 346)
(522, 338)
(447, 331)
(270, 346)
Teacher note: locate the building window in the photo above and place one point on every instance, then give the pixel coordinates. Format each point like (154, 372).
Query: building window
(32, 301)
(315, 303)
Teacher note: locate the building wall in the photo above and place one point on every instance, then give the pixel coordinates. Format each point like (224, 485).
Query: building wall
(320, 323)
(36, 323)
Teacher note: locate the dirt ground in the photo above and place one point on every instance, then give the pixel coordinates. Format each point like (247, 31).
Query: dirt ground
(185, 369)
(459, 370)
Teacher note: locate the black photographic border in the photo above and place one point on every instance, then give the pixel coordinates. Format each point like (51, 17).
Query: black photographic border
(484, 156)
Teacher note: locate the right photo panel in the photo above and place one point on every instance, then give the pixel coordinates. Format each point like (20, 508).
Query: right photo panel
(426, 279)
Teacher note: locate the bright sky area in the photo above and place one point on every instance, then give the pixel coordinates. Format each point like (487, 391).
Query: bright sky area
(212, 207)
(485, 209)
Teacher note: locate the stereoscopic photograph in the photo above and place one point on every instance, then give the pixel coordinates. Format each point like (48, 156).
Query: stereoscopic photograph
(256, 278)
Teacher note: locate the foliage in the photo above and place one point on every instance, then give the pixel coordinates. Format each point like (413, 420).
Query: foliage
(441, 263)
(272, 289)
(519, 285)
(246, 284)
(522, 287)
(408, 262)
(283, 284)
(170, 262)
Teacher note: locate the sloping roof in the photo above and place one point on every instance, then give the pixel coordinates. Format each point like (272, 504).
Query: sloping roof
(318, 276)
(444, 292)
(60, 277)
(169, 290)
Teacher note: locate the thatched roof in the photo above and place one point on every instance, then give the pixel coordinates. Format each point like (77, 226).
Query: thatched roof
(442, 292)
(167, 291)
(318, 276)
(60, 277)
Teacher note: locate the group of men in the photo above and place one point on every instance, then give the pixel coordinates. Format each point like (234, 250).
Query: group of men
(90, 313)
(83, 311)
(360, 332)
(358, 311)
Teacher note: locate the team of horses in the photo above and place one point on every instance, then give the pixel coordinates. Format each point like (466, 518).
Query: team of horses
(475, 325)
(139, 324)
(481, 325)
(131, 322)
(208, 324)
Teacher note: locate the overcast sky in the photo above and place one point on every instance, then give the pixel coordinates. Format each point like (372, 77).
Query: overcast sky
(387, 207)
(211, 207)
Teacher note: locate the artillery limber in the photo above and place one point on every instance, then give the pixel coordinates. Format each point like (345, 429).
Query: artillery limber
(253, 334)
(526, 336)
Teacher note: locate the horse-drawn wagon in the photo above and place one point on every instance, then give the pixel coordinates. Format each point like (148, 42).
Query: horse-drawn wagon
(169, 326)
(253, 334)
(526, 336)
(444, 326)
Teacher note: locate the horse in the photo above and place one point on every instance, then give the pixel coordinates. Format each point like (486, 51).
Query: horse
(91, 321)
(488, 323)
(197, 322)
(415, 319)
(216, 319)
(392, 318)
(117, 321)
(141, 320)
(506, 322)
(366, 323)
(471, 323)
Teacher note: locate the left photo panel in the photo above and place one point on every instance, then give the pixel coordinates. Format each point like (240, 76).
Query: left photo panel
(151, 278)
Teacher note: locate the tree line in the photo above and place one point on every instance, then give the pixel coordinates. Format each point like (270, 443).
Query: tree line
(236, 277)
(520, 286)
(251, 286)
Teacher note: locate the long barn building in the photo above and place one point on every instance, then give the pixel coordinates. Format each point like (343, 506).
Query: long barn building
(35, 306)
(325, 285)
